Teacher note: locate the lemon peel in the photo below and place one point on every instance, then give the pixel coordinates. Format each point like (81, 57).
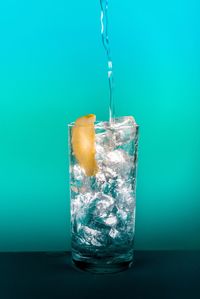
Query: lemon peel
(83, 143)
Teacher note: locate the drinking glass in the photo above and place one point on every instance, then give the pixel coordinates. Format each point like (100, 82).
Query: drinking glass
(103, 205)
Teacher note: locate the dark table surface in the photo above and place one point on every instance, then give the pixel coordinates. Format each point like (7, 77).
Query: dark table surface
(156, 274)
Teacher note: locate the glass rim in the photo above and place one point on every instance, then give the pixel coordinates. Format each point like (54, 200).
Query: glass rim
(97, 124)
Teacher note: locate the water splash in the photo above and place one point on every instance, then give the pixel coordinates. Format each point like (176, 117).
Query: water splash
(105, 40)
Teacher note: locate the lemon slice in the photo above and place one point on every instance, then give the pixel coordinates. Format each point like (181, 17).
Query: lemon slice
(83, 143)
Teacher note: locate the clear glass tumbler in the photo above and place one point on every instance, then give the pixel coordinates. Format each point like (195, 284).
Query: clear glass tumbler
(103, 205)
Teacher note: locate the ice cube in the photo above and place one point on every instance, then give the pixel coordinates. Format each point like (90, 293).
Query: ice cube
(90, 236)
(111, 220)
(113, 233)
(104, 143)
(125, 199)
(124, 130)
(80, 205)
(120, 162)
(105, 180)
(102, 205)
(78, 172)
(77, 178)
(92, 209)
(124, 121)
(113, 172)
(122, 214)
(117, 157)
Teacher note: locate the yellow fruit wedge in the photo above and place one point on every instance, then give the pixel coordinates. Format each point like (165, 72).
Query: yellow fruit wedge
(83, 143)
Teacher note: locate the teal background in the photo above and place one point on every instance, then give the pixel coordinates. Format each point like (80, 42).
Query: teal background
(53, 69)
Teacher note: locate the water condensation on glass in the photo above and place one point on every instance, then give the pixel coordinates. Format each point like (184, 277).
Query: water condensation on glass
(106, 44)
(103, 206)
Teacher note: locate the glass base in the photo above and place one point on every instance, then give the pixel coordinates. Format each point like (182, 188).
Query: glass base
(102, 268)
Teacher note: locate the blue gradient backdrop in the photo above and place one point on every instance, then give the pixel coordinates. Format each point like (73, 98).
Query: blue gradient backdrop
(53, 69)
